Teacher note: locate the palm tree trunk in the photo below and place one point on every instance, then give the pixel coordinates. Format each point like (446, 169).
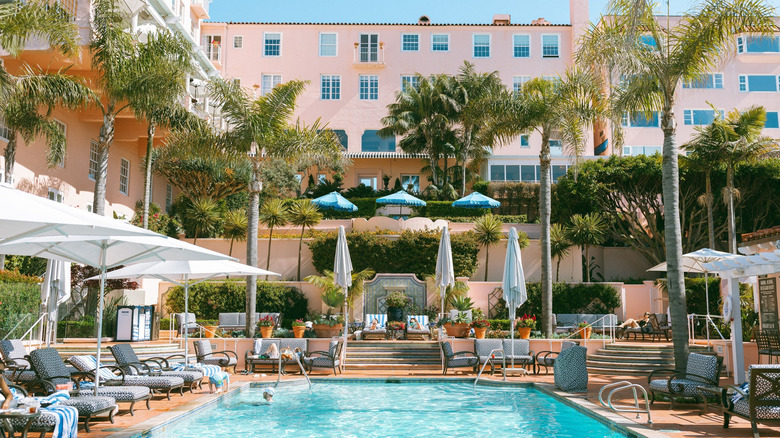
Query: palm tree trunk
(300, 247)
(673, 241)
(544, 218)
(195, 241)
(101, 176)
(730, 205)
(587, 263)
(558, 270)
(708, 201)
(487, 260)
(252, 216)
(10, 157)
(446, 165)
(268, 259)
(148, 172)
(434, 162)
(230, 251)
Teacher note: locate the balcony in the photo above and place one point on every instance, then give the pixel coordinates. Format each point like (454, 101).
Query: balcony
(213, 53)
(369, 55)
(200, 8)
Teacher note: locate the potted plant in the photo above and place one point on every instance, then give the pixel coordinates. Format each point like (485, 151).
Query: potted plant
(266, 325)
(396, 326)
(299, 327)
(480, 326)
(326, 326)
(524, 325)
(396, 302)
(460, 326)
(209, 328)
(585, 330)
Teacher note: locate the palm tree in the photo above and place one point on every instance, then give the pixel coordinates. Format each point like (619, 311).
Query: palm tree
(562, 107)
(303, 214)
(260, 127)
(695, 45)
(234, 227)
(489, 231)
(202, 216)
(587, 230)
(273, 213)
(559, 246)
(704, 159)
(353, 292)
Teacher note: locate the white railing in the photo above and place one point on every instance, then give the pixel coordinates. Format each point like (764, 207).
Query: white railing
(491, 357)
(367, 55)
(213, 52)
(622, 385)
(708, 320)
(604, 340)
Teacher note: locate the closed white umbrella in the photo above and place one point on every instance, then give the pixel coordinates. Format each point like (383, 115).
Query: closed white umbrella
(108, 251)
(186, 273)
(445, 273)
(513, 283)
(55, 290)
(342, 276)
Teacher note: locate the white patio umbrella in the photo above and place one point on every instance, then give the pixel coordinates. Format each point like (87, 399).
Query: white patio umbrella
(445, 273)
(342, 276)
(186, 273)
(513, 283)
(108, 251)
(55, 290)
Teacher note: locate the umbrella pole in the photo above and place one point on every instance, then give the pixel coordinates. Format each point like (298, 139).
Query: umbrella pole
(346, 329)
(707, 303)
(186, 323)
(441, 321)
(512, 336)
(100, 314)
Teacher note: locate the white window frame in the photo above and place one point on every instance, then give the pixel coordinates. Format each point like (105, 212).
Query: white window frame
(717, 78)
(409, 175)
(528, 141)
(408, 79)
(530, 52)
(213, 52)
(331, 93)
(373, 185)
(448, 42)
(4, 131)
(96, 146)
(558, 37)
(55, 195)
(281, 44)
(368, 93)
(688, 113)
(474, 45)
(124, 176)
(744, 83)
(64, 128)
(519, 80)
(742, 44)
(335, 45)
(403, 34)
(263, 91)
(369, 52)
(238, 39)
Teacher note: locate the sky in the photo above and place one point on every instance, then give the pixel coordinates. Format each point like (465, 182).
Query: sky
(408, 11)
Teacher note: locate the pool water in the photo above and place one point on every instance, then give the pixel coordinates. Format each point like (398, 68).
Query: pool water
(378, 409)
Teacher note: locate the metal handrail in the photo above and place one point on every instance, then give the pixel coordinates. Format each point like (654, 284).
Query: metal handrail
(26, 315)
(297, 360)
(708, 320)
(30, 330)
(490, 360)
(625, 384)
(604, 341)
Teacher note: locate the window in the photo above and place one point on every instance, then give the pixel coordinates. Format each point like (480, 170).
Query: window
(556, 147)
(368, 181)
(481, 46)
(497, 172)
(369, 47)
(238, 41)
(529, 173)
(213, 46)
(559, 171)
(268, 82)
(328, 44)
(369, 87)
(342, 135)
(708, 80)
(641, 150)
(771, 120)
(64, 129)
(524, 141)
(550, 46)
(758, 44)
(55, 195)
(124, 176)
(4, 131)
(168, 197)
(410, 81)
(93, 159)
(522, 46)
(440, 42)
(322, 178)
(370, 142)
(410, 42)
(758, 83)
(272, 44)
(411, 180)
(641, 120)
(518, 81)
(331, 87)
(698, 117)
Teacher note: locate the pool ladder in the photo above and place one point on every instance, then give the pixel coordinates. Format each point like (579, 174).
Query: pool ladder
(620, 386)
(297, 360)
(490, 360)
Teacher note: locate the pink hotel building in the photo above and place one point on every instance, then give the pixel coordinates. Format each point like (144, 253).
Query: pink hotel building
(354, 71)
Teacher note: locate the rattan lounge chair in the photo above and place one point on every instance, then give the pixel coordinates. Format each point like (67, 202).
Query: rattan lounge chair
(757, 402)
(417, 334)
(325, 359)
(14, 357)
(460, 359)
(206, 355)
(380, 332)
(703, 370)
(130, 363)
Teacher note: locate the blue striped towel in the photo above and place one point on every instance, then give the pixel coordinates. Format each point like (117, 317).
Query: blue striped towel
(54, 398)
(67, 420)
(207, 370)
(219, 379)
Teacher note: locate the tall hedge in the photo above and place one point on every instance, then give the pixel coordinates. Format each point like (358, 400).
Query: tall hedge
(567, 298)
(414, 252)
(445, 209)
(17, 301)
(366, 208)
(208, 300)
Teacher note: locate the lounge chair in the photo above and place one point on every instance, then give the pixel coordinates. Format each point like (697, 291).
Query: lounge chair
(325, 359)
(702, 370)
(758, 401)
(252, 360)
(418, 334)
(768, 343)
(14, 357)
(188, 324)
(49, 417)
(483, 348)
(460, 359)
(206, 355)
(115, 376)
(380, 332)
(546, 359)
(51, 371)
(523, 355)
(570, 369)
(130, 363)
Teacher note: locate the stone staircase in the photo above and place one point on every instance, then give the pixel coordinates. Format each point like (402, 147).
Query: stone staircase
(634, 359)
(393, 355)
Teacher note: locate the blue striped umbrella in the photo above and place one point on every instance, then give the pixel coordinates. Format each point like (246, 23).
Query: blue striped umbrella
(476, 200)
(401, 198)
(334, 201)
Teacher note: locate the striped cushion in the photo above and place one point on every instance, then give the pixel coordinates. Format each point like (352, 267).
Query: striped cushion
(88, 364)
(380, 317)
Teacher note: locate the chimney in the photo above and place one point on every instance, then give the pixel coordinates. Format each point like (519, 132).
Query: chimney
(540, 22)
(424, 20)
(501, 19)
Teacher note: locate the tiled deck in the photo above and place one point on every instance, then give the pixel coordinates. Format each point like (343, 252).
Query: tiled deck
(677, 423)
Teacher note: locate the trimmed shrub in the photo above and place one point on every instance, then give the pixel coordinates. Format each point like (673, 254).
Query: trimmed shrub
(17, 277)
(568, 298)
(445, 208)
(18, 301)
(505, 218)
(366, 208)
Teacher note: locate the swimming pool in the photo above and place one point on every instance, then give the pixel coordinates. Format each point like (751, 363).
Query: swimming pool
(370, 409)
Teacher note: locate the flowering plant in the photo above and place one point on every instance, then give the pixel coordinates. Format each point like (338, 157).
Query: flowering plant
(396, 325)
(396, 299)
(266, 321)
(298, 323)
(526, 321)
(583, 324)
(480, 322)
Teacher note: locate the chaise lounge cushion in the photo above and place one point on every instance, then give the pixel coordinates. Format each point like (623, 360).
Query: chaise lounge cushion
(88, 364)
(483, 347)
(457, 361)
(124, 355)
(205, 351)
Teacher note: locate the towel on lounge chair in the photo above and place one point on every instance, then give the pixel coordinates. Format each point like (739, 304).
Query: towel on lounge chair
(207, 370)
(67, 422)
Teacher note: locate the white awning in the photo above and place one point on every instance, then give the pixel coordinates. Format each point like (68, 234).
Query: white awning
(761, 263)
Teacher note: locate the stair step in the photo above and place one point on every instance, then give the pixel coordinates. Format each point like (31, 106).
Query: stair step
(400, 360)
(634, 359)
(617, 371)
(400, 366)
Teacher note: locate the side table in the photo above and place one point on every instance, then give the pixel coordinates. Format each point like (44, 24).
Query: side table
(7, 429)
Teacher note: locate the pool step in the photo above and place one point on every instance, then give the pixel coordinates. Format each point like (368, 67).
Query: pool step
(633, 359)
(389, 355)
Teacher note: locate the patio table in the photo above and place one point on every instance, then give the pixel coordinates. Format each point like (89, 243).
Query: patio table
(7, 429)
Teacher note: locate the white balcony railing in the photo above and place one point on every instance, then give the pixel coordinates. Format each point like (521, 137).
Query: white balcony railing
(213, 52)
(369, 55)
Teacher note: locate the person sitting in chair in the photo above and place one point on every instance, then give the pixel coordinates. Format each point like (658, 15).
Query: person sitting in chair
(415, 325)
(272, 352)
(633, 323)
(374, 324)
(6, 392)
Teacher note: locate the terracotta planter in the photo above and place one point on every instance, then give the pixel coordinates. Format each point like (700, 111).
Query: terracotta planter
(585, 332)
(266, 331)
(298, 331)
(209, 330)
(459, 330)
(524, 332)
(327, 331)
(479, 332)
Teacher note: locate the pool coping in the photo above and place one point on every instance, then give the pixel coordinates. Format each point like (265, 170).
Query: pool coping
(576, 401)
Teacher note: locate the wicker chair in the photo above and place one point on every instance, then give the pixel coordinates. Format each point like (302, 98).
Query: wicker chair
(768, 344)
(129, 362)
(14, 357)
(205, 354)
(460, 359)
(325, 359)
(703, 370)
(757, 402)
